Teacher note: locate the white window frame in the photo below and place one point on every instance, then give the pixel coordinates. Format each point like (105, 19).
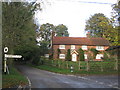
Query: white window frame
(61, 46)
(99, 56)
(47, 55)
(84, 47)
(85, 55)
(99, 47)
(61, 56)
(72, 46)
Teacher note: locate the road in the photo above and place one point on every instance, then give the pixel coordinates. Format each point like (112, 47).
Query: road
(44, 79)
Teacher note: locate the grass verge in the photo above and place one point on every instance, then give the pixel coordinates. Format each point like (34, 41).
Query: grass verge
(75, 72)
(13, 79)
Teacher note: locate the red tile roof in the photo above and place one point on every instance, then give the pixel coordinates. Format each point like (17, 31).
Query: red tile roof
(80, 41)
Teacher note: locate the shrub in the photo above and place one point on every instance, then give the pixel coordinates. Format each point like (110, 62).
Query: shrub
(95, 52)
(68, 56)
(81, 55)
(58, 52)
(106, 57)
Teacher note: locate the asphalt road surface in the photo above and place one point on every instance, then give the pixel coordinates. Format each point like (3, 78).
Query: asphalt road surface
(44, 79)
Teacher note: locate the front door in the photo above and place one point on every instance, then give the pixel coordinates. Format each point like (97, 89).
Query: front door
(74, 57)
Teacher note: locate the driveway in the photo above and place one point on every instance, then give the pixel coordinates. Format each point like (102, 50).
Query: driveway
(44, 79)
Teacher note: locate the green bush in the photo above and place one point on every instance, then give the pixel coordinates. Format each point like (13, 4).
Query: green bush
(81, 55)
(68, 56)
(13, 79)
(95, 52)
(58, 52)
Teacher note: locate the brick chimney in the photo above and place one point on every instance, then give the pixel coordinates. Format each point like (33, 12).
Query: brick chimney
(52, 36)
(88, 34)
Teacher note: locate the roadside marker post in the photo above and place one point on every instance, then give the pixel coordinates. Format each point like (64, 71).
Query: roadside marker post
(71, 68)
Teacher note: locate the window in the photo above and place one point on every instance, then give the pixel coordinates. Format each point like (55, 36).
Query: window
(61, 46)
(85, 55)
(62, 56)
(99, 48)
(47, 55)
(98, 56)
(84, 47)
(72, 46)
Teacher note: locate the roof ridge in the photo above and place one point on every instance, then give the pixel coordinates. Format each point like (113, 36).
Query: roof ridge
(80, 40)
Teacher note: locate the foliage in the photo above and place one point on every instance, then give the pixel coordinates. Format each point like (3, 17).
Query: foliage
(95, 24)
(19, 29)
(100, 26)
(106, 57)
(13, 79)
(40, 52)
(68, 56)
(60, 66)
(95, 52)
(28, 52)
(58, 52)
(45, 31)
(61, 30)
(43, 48)
(116, 13)
(81, 55)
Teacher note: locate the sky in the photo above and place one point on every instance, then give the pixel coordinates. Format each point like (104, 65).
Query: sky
(72, 13)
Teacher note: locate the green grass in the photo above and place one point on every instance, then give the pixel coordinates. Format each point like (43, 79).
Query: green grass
(76, 72)
(52, 69)
(93, 65)
(13, 79)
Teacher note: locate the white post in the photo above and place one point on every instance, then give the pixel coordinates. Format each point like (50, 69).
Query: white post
(8, 56)
(5, 65)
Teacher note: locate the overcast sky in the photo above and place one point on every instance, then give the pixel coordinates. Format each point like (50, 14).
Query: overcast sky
(72, 13)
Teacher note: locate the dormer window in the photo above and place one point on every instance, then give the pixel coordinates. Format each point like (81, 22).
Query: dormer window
(84, 47)
(99, 48)
(72, 46)
(61, 46)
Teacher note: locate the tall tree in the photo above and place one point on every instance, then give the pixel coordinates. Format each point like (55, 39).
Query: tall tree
(96, 24)
(100, 26)
(61, 30)
(116, 12)
(18, 26)
(45, 32)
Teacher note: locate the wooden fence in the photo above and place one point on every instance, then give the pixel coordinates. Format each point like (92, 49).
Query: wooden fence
(83, 65)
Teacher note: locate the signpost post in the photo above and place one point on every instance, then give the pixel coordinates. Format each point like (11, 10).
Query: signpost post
(6, 70)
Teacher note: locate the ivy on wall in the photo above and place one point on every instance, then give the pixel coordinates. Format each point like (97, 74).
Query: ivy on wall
(58, 52)
(68, 56)
(95, 52)
(81, 55)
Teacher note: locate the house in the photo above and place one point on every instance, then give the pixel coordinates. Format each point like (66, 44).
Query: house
(74, 43)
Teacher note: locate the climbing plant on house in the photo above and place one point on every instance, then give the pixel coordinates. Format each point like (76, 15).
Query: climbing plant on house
(94, 53)
(68, 56)
(58, 52)
(81, 55)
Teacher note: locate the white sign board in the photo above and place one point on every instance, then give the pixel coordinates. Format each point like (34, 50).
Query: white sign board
(12, 56)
